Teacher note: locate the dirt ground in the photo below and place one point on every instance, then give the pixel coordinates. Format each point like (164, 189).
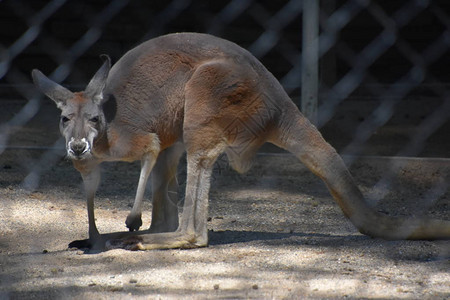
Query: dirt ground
(275, 232)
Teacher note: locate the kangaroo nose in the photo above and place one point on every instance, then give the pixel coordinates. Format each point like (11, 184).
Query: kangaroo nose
(78, 147)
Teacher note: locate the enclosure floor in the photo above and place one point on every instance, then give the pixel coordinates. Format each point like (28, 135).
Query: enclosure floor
(274, 233)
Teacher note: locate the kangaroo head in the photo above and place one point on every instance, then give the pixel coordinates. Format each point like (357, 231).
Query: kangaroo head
(82, 118)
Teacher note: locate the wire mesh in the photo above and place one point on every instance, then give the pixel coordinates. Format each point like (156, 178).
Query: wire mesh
(383, 71)
(363, 39)
(382, 65)
(388, 57)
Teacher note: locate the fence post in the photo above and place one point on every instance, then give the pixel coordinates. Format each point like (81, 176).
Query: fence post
(310, 59)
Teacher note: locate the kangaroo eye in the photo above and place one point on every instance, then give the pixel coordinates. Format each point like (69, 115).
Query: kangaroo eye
(64, 119)
(94, 120)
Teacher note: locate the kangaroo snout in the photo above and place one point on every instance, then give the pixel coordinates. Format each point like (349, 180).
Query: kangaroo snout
(77, 148)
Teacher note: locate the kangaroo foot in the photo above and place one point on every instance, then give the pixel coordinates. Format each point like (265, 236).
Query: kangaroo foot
(89, 245)
(133, 243)
(153, 241)
(81, 244)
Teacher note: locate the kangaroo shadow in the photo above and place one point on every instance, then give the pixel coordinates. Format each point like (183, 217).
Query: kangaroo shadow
(226, 237)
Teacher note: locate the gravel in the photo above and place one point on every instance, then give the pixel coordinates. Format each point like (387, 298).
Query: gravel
(274, 233)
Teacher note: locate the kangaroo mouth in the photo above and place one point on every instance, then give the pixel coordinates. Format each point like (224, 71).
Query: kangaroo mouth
(78, 157)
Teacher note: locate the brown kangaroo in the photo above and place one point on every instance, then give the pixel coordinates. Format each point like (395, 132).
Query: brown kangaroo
(203, 95)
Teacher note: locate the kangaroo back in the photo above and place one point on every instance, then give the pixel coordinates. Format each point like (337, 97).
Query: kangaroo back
(149, 82)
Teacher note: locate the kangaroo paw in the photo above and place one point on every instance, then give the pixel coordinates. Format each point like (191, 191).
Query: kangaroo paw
(134, 222)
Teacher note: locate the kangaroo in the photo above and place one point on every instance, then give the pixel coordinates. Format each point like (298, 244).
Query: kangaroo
(202, 95)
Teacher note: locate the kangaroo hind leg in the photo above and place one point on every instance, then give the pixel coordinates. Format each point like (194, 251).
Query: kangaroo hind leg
(205, 115)
(164, 190)
(192, 231)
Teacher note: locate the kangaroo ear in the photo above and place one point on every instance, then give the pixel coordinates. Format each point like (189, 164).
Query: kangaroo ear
(98, 82)
(54, 91)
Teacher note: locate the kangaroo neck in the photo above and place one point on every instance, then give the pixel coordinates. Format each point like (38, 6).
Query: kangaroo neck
(116, 143)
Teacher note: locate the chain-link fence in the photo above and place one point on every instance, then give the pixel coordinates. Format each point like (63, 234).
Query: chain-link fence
(383, 84)
(375, 73)
(382, 55)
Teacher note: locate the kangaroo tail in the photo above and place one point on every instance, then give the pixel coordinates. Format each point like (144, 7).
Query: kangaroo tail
(300, 137)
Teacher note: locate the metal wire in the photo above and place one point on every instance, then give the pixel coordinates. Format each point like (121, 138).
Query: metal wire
(271, 31)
